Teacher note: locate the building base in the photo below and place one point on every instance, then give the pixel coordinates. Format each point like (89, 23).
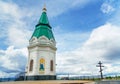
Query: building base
(41, 77)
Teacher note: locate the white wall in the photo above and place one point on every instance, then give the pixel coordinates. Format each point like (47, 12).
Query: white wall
(37, 50)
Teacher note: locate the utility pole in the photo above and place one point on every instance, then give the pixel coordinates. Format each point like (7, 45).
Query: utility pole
(100, 65)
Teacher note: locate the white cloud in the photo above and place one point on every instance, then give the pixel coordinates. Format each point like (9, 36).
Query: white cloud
(13, 60)
(103, 41)
(65, 40)
(3, 74)
(15, 31)
(6, 75)
(75, 56)
(107, 35)
(10, 57)
(61, 6)
(9, 8)
(112, 68)
(18, 37)
(107, 8)
(97, 48)
(115, 19)
(55, 8)
(6, 16)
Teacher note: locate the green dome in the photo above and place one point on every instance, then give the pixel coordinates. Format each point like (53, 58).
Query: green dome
(43, 27)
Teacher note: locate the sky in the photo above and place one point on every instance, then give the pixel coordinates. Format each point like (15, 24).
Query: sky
(86, 32)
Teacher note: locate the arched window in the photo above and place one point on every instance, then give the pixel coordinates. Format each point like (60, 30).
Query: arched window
(51, 65)
(31, 65)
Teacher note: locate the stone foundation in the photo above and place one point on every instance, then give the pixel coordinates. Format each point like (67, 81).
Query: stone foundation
(41, 77)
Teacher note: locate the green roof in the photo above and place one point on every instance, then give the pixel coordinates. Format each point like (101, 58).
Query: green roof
(44, 18)
(43, 27)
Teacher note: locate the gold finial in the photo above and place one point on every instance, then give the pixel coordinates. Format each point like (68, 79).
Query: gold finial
(44, 8)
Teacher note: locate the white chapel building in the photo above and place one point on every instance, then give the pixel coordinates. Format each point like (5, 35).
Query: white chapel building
(41, 63)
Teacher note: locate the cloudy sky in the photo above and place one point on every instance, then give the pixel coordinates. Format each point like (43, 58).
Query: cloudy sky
(86, 32)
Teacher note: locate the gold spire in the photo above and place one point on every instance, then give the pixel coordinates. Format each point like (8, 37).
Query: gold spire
(44, 8)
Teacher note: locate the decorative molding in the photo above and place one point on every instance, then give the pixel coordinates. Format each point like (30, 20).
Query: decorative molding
(43, 40)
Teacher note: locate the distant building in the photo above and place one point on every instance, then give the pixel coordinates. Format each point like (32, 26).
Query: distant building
(42, 51)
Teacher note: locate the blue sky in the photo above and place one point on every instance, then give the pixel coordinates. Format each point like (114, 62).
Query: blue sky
(85, 31)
